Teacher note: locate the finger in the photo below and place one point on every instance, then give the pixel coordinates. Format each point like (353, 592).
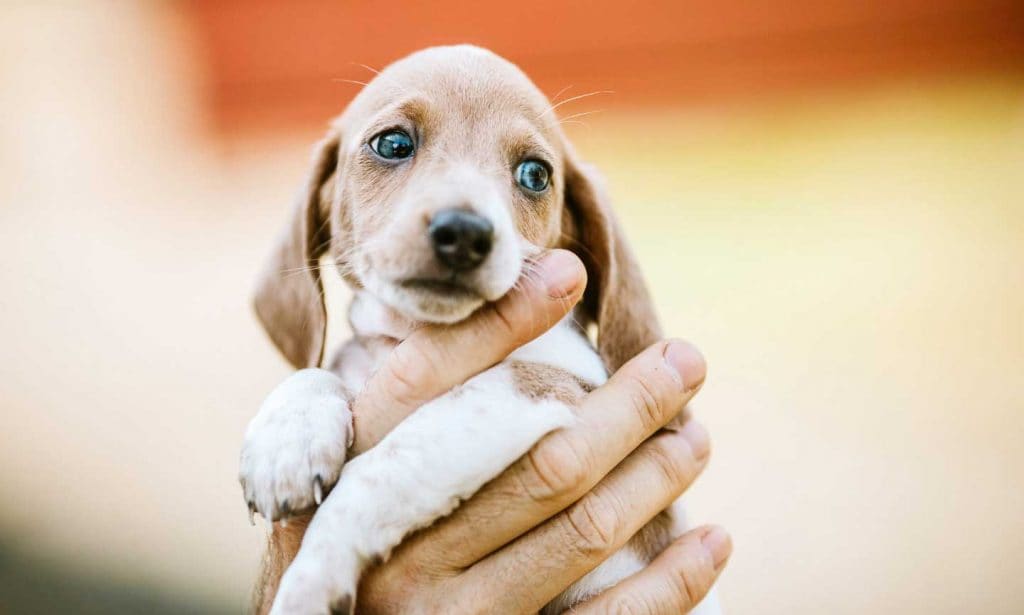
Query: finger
(436, 358)
(579, 538)
(639, 399)
(675, 582)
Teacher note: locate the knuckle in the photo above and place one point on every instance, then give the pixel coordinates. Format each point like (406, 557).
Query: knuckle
(592, 526)
(689, 580)
(554, 470)
(690, 590)
(646, 402)
(502, 321)
(672, 461)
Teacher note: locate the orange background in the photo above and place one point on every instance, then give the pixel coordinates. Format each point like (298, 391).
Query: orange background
(278, 62)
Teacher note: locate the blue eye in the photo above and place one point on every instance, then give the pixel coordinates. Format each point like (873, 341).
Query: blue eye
(392, 145)
(532, 175)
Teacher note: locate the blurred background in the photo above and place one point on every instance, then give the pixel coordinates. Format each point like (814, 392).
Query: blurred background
(828, 199)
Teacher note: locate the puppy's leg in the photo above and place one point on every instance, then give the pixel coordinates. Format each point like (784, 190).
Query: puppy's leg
(437, 457)
(295, 446)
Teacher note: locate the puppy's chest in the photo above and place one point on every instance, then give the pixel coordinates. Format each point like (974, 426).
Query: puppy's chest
(561, 357)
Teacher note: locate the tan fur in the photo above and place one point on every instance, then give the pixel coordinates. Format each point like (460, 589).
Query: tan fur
(653, 537)
(282, 546)
(616, 297)
(289, 295)
(476, 116)
(536, 381)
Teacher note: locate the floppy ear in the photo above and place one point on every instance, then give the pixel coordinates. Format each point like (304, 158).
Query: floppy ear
(616, 298)
(289, 295)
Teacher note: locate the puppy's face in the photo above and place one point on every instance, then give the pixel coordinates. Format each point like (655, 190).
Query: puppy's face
(449, 178)
(432, 191)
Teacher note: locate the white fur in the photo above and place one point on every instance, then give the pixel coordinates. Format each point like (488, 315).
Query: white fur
(301, 432)
(418, 473)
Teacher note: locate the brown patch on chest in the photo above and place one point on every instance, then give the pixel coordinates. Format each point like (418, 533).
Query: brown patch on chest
(538, 381)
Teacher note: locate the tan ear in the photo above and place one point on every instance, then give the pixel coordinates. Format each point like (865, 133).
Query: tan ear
(616, 299)
(289, 295)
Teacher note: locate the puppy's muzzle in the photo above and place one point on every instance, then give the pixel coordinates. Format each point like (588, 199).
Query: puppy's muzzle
(461, 239)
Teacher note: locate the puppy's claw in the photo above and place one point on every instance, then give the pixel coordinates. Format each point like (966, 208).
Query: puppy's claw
(318, 490)
(252, 513)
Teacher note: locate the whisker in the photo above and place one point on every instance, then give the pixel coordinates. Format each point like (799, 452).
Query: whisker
(367, 67)
(581, 114)
(527, 282)
(382, 75)
(569, 100)
(355, 81)
(584, 124)
(299, 270)
(560, 92)
(531, 265)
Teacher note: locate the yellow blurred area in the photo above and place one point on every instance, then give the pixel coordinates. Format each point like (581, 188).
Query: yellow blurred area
(849, 261)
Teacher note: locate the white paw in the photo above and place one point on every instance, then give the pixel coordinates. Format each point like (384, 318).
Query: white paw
(324, 582)
(295, 446)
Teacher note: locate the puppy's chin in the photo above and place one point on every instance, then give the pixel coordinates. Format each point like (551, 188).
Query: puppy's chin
(423, 303)
(425, 298)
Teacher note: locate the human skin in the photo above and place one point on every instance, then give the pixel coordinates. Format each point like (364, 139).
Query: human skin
(574, 499)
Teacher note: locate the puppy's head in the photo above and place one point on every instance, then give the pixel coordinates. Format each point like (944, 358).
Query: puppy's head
(444, 176)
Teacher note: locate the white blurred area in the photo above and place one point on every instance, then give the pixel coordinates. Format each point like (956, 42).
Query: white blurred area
(851, 264)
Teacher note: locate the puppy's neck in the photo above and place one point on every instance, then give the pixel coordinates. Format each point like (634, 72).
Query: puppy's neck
(370, 317)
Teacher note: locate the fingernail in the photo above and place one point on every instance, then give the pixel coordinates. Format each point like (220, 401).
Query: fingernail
(560, 271)
(687, 363)
(718, 545)
(697, 437)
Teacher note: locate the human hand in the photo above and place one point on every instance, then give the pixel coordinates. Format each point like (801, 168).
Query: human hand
(571, 502)
(575, 499)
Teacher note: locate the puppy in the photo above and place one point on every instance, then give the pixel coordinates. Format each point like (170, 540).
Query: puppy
(431, 193)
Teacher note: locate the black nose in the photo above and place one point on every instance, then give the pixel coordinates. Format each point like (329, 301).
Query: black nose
(461, 239)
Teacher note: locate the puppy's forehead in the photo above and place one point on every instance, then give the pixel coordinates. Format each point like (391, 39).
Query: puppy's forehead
(462, 83)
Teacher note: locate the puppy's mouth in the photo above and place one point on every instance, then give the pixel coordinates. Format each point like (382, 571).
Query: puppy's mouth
(432, 299)
(448, 287)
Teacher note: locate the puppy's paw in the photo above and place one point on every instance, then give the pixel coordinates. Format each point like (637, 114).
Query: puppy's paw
(295, 446)
(318, 585)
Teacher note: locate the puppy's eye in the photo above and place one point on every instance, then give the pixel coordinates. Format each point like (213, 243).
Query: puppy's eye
(532, 175)
(393, 145)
